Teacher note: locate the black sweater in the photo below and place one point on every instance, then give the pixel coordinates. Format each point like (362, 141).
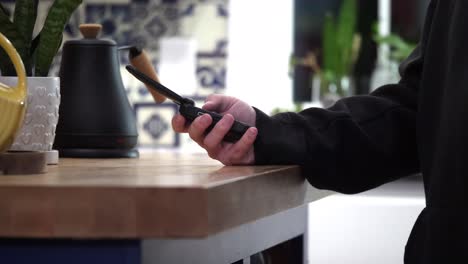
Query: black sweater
(417, 125)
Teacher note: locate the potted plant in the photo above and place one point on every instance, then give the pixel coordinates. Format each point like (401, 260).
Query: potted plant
(340, 48)
(37, 53)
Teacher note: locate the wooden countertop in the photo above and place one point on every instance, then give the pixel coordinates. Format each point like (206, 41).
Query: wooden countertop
(159, 195)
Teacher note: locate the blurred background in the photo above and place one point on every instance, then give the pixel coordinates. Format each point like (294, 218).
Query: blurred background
(278, 56)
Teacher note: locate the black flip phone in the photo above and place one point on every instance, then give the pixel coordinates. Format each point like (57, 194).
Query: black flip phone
(187, 106)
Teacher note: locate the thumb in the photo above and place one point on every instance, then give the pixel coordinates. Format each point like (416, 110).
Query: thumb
(211, 106)
(218, 103)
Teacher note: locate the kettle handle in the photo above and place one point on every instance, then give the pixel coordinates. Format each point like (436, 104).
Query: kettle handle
(140, 60)
(17, 92)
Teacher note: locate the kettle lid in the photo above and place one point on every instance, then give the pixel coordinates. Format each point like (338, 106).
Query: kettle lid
(90, 34)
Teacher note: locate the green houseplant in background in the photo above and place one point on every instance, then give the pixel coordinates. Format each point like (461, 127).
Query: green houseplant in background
(334, 63)
(400, 48)
(393, 49)
(340, 44)
(37, 52)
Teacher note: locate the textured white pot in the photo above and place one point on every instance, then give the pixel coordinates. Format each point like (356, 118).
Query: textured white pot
(37, 132)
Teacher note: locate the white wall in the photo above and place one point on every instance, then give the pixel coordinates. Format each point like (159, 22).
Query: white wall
(260, 42)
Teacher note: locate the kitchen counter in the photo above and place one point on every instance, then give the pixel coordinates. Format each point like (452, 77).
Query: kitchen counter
(158, 201)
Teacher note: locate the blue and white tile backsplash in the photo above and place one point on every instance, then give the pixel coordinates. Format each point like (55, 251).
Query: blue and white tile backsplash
(146, 22)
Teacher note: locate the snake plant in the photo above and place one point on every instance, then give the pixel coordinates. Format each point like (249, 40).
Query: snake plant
(37, 52)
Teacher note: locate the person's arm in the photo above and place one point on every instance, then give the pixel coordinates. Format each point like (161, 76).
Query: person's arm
(357, 144)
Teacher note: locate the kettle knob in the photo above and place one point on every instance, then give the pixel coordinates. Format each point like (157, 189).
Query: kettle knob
(90, 31)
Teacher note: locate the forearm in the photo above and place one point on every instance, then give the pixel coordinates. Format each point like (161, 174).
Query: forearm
(358, 144)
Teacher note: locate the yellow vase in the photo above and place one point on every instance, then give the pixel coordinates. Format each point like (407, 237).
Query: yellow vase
(12, 99)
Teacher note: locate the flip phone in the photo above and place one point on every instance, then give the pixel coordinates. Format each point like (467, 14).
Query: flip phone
(187, 106)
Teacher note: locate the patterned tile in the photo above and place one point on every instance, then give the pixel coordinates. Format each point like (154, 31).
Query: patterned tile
(211, 70)
(205, 23)
(155, 20)
(212, 54)
(154, 125)
(116, 21)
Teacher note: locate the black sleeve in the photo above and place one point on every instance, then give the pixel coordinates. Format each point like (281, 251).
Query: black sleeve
(359, 143)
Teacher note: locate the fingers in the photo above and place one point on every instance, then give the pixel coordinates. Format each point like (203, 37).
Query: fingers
(242, 151)
(238, 153)
(213, 141)
(179, 124)
(197, 129)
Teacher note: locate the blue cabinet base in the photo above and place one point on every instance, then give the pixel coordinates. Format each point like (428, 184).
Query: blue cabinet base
(48, 251)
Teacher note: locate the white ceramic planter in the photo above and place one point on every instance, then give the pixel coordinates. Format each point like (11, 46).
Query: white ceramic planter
(40, 121)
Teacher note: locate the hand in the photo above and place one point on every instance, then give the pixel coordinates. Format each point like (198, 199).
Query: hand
(239, 153)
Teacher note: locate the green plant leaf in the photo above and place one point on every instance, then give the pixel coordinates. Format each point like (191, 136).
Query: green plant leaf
(34, 44)
(401, 49)
(329, 43)
(33, 48)
(24, 19)
(4, 61)
(340, 45)
(51, 34)
(345, 34)
(3, 10)
(10, 31)
(394, 41)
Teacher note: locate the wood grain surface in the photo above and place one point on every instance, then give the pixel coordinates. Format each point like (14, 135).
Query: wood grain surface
(159, 195)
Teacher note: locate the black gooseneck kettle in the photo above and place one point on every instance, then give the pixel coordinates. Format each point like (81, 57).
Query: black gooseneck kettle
(95, 116)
